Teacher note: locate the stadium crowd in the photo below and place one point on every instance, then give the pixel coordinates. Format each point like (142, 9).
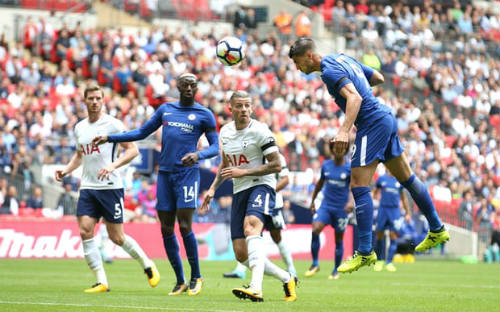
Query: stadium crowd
(442, 81)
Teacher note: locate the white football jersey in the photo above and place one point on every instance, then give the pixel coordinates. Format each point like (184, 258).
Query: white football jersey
(247, 148)
(97, 157)
(283, 173)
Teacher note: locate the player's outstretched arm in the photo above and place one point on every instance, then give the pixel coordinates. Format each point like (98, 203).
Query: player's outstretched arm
(134, 135)
(74, 163)
(131, 151)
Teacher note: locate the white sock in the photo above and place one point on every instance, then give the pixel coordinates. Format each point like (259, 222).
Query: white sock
(286, 256)
(241, 267)
(273, 270)
(136, 252)
(94, 260)
(256, 259)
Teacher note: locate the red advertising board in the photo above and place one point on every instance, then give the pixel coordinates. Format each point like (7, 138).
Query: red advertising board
(61, 239)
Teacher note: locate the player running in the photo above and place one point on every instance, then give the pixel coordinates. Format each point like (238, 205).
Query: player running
(246, 143)
(179, 175)
(389, 217)
(101, 189)
(336, 173)
(349, 82)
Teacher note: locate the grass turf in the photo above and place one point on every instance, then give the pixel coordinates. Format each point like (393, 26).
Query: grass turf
(57, 285)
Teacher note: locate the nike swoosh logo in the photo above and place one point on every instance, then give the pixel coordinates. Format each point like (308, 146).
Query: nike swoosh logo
(167, 113)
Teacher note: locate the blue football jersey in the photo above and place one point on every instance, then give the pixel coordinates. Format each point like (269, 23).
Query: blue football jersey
(336, 187)
(182, 128)
(390, 191)
(337, 70)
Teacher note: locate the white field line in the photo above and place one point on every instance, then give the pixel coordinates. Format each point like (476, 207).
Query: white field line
(111, 306)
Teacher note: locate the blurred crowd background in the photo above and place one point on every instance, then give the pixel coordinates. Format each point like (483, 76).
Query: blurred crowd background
(441, 60)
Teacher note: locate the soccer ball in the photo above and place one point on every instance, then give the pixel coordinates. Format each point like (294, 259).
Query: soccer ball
(230, 51)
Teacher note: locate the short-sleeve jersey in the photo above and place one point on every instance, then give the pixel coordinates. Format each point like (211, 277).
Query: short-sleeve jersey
(336, 187)
(390, 191)
(97, 157)
(337, 70)
(247, 148)
(283, 173)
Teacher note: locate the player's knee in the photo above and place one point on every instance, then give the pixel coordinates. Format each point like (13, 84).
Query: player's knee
(185, 228)
(250, 230)
(316, 229)
(276, 236)
(167, 230)
(117, 238)
(86, 233)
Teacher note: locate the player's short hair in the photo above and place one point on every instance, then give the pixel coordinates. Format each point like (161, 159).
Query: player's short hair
(92, 88)
(301, 46)
(238, 95)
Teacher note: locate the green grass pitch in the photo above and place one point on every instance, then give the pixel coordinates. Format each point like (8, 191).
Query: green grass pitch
(56, 285)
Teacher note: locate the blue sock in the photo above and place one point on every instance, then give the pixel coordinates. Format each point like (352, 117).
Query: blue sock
(172, 249)
(191, 247)
(339, 252)
(379, 249)
(315, 248)
(421, 196)
(392, 250)
(364, 217)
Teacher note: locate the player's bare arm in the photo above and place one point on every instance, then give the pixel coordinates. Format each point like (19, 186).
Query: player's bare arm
(74, 163)
(215, 185)
(316, 191)
(282, 183)
(341, 141)
(376, 78)
(131, 151)
(273, 165)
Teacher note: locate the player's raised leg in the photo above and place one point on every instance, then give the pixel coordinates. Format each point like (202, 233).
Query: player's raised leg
(130, 245)
(400, 169)
(91, 252)
(111, 202)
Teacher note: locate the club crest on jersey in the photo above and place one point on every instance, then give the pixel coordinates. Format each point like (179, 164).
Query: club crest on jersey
(236, 160)
(244, 144)
(343, 175)
(192, 117)
(89, 149)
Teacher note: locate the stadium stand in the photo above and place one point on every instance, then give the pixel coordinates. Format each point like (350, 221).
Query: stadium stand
(441, 60)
